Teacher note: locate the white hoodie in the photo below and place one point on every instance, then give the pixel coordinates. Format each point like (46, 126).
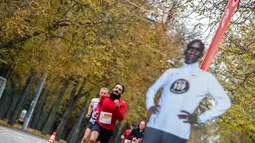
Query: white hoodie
(183, 89)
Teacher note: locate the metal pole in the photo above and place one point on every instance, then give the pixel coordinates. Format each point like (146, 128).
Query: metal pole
(2, 85)
(32, 106)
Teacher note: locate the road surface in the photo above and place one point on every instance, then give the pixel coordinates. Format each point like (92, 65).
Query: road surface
(9, 135)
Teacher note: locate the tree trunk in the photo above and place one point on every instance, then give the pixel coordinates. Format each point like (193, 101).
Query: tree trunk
(35, 119)
(67, 113)
(44, 114)
(71, 105)
(52, 117)
(22, 99)
(11, 108)
(4, 105)
(42, 120)
(76, 129)
(6, 101)
(82, 131)
(65, 133)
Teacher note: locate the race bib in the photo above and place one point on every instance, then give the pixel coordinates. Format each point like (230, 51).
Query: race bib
(126, 141)
(179, 86)
(105, 117)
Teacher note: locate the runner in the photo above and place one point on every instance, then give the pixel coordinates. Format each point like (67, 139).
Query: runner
(136, 135)
(108, 111)
(92, 107)
(125, 135)
(183, 89)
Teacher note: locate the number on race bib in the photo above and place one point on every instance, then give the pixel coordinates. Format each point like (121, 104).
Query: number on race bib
(105, 117)
(179, 86)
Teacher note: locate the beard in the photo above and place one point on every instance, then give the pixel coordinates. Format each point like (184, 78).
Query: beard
(190, 59)
(114, 96)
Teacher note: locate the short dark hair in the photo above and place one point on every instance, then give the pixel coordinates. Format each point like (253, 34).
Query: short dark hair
(133, 124)
(121, 85)
(201, 44)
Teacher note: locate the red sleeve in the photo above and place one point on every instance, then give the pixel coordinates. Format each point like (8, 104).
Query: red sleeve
(125, 134)
(122, 111)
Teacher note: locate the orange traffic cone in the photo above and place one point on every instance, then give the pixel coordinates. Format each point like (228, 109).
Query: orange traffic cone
(52, 137)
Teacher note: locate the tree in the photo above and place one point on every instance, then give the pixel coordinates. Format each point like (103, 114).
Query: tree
(23, 95)
(236, 60)
(52, 117)
(74, 97)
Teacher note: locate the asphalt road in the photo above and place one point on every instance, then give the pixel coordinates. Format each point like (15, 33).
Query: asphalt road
(9, 135)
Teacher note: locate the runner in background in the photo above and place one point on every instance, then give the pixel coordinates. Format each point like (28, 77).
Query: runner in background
(92, 107)
(108, 111)
(125, 135)
(136, 134)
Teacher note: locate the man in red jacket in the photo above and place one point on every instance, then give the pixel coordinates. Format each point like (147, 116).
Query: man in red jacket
(108, 111)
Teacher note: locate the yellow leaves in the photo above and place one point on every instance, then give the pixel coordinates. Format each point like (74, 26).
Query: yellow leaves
(17, 25)
(237, 56)
(252, 128)
(109, 1)
(102, 40)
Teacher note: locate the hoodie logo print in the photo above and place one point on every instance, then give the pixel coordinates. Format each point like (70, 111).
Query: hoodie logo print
(179, 86)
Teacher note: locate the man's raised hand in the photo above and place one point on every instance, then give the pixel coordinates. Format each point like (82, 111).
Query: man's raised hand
(117, 103)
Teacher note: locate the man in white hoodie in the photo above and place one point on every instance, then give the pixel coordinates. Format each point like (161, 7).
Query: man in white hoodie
(183, 89)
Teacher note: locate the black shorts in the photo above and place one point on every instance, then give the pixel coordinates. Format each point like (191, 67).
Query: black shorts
(89, 125)
(152, 135)
(104, 134)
